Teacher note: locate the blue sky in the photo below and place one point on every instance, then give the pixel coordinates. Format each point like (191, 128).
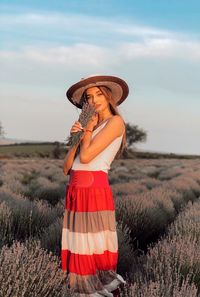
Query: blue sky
(45, 46)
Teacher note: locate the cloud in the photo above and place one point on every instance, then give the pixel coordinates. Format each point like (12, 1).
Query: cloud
(82, 54)
(80, 25)
(79, 54)
(141, 31)
(94, 55)
(63, 38)
(159, 57)
(162, 48)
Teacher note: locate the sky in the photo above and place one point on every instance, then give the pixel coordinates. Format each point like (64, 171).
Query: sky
(46, 46)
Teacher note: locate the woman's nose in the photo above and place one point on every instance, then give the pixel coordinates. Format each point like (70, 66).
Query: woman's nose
(94, 101)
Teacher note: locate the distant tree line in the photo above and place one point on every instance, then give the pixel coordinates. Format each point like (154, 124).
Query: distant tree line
(2, 132)
(134, 134)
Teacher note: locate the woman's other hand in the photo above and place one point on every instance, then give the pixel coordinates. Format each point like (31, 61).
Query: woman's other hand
(65, 170)
(66, 167)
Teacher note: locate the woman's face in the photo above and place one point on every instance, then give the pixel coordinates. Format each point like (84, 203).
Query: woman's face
(96, 98)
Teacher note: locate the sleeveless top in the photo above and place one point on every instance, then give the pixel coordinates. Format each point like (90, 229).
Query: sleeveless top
(104, 159)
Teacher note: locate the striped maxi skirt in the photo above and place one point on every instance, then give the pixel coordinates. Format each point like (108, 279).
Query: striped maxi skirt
(89, 248)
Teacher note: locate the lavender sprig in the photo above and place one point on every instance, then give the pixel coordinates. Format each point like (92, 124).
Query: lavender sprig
(84, 117)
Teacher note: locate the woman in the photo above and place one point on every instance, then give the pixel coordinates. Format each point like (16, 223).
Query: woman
(89, 251)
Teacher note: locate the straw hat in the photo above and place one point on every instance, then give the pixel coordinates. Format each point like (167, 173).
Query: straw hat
(118, 87)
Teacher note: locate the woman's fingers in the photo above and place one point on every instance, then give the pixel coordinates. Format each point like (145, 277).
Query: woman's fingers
(79, 124)
(76, 127)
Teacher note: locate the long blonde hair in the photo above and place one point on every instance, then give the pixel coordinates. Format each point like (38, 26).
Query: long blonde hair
(114, 110)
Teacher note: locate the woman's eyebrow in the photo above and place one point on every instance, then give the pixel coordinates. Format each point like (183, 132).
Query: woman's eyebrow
(97, 92)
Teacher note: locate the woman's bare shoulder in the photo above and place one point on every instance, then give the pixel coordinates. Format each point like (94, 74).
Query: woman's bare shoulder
(118, 121)
(117, 117)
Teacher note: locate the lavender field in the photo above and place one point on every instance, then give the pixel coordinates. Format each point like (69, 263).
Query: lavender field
(158, 223)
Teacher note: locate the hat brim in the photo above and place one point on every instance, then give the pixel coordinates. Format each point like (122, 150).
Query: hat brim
(118, 87)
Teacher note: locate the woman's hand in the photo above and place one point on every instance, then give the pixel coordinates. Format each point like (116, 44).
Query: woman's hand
(76, 127)
(65, 170)
(90, 125)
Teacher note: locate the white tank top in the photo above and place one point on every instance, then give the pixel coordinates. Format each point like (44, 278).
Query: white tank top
(104, 159)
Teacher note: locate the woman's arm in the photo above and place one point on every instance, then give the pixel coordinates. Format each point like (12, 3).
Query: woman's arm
(69, 158)
(68, 161)
(91, 147)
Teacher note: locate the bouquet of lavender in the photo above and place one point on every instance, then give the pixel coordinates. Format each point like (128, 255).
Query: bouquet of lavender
(84, 117)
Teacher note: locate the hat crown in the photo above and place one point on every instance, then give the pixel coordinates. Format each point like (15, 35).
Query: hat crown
(92, 75)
